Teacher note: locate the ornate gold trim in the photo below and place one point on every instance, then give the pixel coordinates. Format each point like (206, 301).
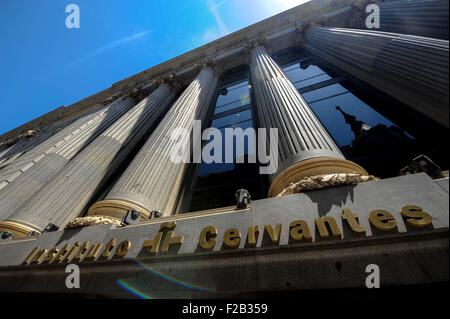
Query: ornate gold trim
(116, 208)
(93, 220)
(323, 181)
(313, 167)
(18, 230)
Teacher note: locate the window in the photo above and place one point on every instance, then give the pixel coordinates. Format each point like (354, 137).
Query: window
(216, 183)
(364, 135)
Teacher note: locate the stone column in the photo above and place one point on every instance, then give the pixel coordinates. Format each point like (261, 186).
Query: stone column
(411, 69)
(304, 147)
(67, 194)
(152, 181)
(427, 18)
(49, 145)
(21, 189)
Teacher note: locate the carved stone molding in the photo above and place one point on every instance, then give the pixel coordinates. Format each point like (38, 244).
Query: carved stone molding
(303, 27)
(311, 183)
(257, 42)
(210, 63)
(93, 220)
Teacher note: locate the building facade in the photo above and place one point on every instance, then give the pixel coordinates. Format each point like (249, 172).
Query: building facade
(342, 164)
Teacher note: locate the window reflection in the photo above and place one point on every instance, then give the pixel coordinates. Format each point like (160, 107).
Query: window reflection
(335, 122)
(364, 135)
(239, 92)
(217, 183)
(232, 119)
(324, 93)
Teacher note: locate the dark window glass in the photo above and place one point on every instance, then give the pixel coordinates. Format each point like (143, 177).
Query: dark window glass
(334, 121)
(229, 120)
(228, 107)
(249, 147)
(324, 92)
(311, 81)
(217, 183)
(364, 135)
(298, 74)
(230, 95)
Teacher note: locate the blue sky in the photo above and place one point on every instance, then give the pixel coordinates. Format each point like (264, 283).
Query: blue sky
(45, 65)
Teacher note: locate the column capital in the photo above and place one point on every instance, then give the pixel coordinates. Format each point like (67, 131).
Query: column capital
(257, 42)
(115, 97)
(304, 26)
(210, 63)
(169, 79)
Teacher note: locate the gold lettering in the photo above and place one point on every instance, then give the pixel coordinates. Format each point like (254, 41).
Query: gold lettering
(40, 256)
(274, 235)
(82, 250)
(167, 225)
(171, 240)
(204, 241)
(299, 230)
(232, 237)
(109, 247)
(51, 254)
(416, 217)
(153, 243)
(123, 248)
(382, 220)
(72, 251)
(252, 232)
(322, 228)
(62, 252)
(94, 251)
(352, 221)
(32, 255)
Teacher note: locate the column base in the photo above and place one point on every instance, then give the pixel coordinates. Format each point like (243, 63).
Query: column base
(19, 230)
(312, 167)
(116, 208)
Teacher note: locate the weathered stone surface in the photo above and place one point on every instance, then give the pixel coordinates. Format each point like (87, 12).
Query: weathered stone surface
(412, 69)
(443, 183)
(66, 195)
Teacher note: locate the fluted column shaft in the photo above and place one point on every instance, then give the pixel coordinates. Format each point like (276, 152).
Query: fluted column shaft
(21, 189)
(152, 181)
(304, 146)
(412, 69)
(37, 153)
(425, 18)
(67, 194)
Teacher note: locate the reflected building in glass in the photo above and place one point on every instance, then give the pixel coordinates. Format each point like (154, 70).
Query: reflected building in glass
(359, 176)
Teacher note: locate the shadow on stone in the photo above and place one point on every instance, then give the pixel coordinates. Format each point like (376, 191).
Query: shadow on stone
(329, 197)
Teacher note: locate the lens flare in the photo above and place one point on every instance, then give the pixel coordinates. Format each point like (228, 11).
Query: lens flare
(133, 290)
(171, 279)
